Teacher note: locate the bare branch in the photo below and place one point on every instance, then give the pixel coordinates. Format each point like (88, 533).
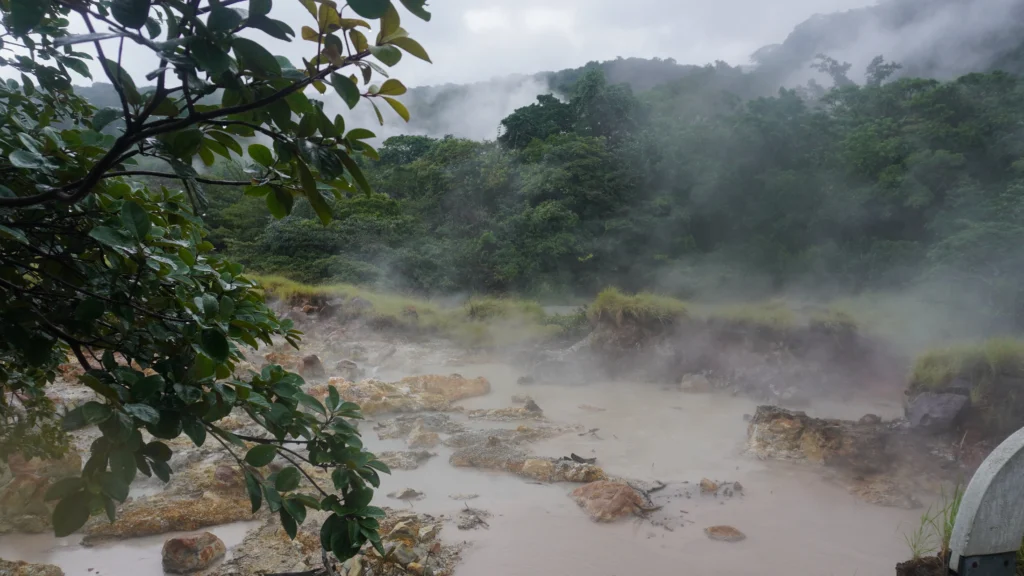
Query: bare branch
(171, 176)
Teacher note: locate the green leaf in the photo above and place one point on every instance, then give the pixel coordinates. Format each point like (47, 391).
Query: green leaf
(372, 9)
(392, 87)
(223, 19)
(63, 488)
(143, 412)
(103, 117)
(95, 412)
(122, 463)
(195, 430)
(388, 55)
(158, 451)
(288, 479)
(274, 28)
(311, 403)
(78, 66)
(114, 487)
(14, 233)
(288, 523)
(130, 13)
(261, 155)
(152, 28)
(256, 58)
(295, 509)
(111, 237)
(260, 7)
(359, 498)
(398, 107)
(27, 159)
(211, 58)
(333, 398)
(416, 7)
(261, 455)
(121, 77)
(347, 89)
(280, 202)
(356, 172)
(215, 345)
(27, 14)
(252, 486)
(135, 219)
(380, 117)
(412, 47)
(70, 514)
(162, 470)
(378, 465)
(148, 387)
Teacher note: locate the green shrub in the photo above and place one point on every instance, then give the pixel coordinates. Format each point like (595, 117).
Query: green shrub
(772, 315)
(982, 364)
(612, 306)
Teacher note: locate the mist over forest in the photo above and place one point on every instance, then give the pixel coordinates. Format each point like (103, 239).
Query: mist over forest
(873, 150)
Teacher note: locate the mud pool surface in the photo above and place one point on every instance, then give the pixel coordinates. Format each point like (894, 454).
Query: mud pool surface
(796, 522)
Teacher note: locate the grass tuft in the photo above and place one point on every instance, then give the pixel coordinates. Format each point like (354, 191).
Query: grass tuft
(981, 364)
(614, 307)
(480, 323)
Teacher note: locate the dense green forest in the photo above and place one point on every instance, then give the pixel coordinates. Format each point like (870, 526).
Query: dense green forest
(688, 189)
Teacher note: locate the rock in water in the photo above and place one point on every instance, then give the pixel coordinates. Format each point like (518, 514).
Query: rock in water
(192, 553)
(312, 368)
(349, 370)
(8, 568)
(724, 534)
(937, 412)
(708, 487)
(607, 501)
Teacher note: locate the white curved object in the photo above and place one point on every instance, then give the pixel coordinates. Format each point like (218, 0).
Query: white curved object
(991, 516)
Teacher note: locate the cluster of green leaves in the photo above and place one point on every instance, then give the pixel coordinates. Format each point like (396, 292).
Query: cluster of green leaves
(104, 255)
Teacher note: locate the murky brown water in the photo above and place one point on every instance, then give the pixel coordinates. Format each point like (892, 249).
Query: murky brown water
(795, 522)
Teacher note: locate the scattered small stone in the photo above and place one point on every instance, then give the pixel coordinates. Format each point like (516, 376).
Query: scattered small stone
(708, 487)
(521, 398)
(463, 496)
(724, 534)
(192, 553)
(531, 406)
(523, 380)
(737, 487)
(407, 494)
(471, 518)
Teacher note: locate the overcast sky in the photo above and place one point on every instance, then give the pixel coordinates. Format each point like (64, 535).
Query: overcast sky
(472, 40)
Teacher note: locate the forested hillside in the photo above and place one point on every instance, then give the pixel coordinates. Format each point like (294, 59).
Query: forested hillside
(688, 189)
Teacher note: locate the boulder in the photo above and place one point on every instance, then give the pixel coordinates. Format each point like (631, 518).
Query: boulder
(607, 501)
(312, 368)
(937, 412)
(783, 434)
(159, 515)
(192, 553)
(349, 370)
